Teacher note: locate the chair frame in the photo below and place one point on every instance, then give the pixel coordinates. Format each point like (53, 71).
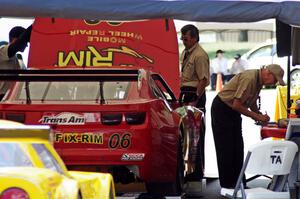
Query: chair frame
(239, 185)
(277, 187)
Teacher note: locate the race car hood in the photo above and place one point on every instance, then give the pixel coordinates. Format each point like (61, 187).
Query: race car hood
(35, 175)
(74, 43)
(38, 182)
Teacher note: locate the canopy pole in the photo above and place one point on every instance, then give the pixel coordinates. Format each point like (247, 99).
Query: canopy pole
(288, 86)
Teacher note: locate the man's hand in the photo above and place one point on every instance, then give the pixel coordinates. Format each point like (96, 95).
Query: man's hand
(238, 106)
(264, 118)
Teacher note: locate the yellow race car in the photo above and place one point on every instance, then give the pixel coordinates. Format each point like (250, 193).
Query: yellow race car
(30, 168)
(281, 108)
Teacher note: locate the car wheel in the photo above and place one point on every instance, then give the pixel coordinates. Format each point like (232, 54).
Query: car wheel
(199, 169)
(198, 174)
(295, 78)
(159, 190)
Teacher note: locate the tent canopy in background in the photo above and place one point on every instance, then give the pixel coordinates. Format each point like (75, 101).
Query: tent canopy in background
(190, 10)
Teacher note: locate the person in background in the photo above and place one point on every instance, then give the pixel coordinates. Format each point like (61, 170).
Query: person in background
(238, 96)
(218, 65)
(18, 39)
(194, 77)
(239, 65)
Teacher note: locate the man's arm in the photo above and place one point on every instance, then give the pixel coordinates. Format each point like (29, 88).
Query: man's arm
(238, 106)
(202, 70)
(254, 108)
(20, 43)
(201, 86)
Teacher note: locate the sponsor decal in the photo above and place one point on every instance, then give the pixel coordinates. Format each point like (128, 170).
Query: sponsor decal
(92, 117)
(276, 157)
(130, 52)
(84, 138)
(133, 156)
(106, 36)
(92, 57)
(64, 118)
(119, 141)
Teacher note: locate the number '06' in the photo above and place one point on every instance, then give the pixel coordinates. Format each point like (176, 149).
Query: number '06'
(119, 141)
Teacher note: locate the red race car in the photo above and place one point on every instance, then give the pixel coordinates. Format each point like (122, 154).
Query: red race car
(125, 121)
(123, 118)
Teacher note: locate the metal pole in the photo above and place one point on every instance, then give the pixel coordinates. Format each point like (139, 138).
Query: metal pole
(288, 86)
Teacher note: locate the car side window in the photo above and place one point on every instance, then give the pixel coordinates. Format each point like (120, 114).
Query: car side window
(156, 91)
(261, 52)
(47, 158)
(12, 155)
(163, 88)
(165, 93)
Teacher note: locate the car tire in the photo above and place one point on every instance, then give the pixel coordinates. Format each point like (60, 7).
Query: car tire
(199, 169)
(198, 174)
(159, 190)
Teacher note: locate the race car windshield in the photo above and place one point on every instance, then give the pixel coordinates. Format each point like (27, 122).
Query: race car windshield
(74, 91)
(47, 158)
(11, 155)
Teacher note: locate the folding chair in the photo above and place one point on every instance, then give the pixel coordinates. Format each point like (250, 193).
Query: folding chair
(272, 157)
(293, 134)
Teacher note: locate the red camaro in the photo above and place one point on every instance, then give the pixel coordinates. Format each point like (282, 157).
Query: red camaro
(121, 119)
(125, 121)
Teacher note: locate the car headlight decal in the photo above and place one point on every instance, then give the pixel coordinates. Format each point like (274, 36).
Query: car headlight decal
(14, 193)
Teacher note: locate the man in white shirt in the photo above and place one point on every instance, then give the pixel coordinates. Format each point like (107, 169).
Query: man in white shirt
(218, 65)
(239, 65)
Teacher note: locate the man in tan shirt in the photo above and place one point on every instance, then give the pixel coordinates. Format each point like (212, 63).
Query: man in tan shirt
(194, 68)
(194, 79)
(238, 97)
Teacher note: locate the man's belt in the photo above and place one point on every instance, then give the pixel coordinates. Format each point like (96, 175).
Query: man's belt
(188, 89)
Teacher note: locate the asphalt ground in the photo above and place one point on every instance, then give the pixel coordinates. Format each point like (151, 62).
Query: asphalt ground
(211, 191)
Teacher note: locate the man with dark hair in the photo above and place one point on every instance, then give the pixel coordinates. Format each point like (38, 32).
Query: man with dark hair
(18, 38)
(194, 68)
(238, 97)
(194, 74)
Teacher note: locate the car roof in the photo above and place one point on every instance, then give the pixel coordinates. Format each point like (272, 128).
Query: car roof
(11, 129)
(255, 48)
